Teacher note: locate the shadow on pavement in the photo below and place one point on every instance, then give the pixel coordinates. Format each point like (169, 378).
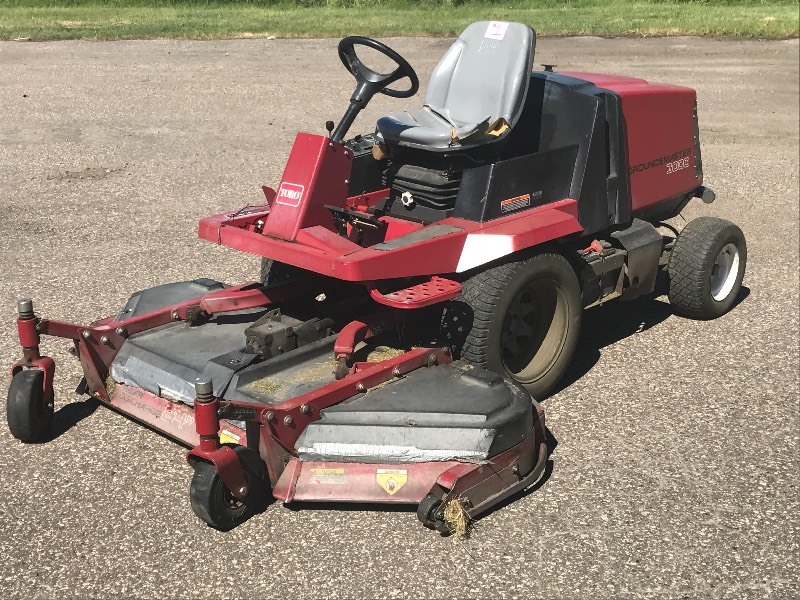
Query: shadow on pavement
(69, 415)
(608, 324)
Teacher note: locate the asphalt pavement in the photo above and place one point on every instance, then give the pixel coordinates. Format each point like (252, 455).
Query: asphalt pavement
(675, 473)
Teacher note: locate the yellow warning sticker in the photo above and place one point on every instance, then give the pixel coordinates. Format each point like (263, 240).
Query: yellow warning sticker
(228, 437)
(391, 480)
(321, 476)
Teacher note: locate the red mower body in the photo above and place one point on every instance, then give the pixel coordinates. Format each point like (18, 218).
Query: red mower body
(644, 163)
(662, 138)
(474, 256)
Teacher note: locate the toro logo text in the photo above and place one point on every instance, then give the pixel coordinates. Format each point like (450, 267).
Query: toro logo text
(290, 194)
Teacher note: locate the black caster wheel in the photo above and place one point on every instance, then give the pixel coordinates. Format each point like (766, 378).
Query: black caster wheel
(28, 411)
(429, 512)
(213, 502)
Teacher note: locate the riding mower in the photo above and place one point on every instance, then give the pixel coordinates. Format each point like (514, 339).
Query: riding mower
(422, 287)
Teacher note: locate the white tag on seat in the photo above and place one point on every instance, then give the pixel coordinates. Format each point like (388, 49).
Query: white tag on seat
(496, 30)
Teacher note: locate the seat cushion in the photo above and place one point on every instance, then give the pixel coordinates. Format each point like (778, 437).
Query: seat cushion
(418, 126)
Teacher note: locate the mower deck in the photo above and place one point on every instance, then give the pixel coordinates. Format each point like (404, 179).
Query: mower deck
(452, 412)
(398, 426)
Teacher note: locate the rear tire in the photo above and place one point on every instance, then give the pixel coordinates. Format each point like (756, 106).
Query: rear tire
(521, 320)
(28, 411)
(706, 268)
(213, 503)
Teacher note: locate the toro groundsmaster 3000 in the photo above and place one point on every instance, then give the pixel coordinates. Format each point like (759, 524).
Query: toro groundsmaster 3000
(420, 285)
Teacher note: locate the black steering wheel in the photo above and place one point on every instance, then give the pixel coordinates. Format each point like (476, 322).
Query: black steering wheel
(378, 82)
(369, 82)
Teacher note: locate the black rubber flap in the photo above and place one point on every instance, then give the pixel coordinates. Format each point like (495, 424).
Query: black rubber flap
(438, 413)
(160, 296)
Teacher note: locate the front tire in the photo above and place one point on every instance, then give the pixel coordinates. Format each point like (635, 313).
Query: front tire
(429, 513)
(520, 319)
(273, 271)
(706, 268)
(28, 411)
(213, 502)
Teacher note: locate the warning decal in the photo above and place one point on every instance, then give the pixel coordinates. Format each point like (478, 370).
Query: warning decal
(391, 480)
(327, 477)
(226, 436)
(515, 203)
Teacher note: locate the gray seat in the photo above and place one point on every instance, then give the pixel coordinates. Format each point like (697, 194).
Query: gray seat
(475, 94)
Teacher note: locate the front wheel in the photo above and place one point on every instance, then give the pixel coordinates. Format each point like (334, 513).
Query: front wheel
(706, 268)
(520, 319)
(430, 514)
(213, 502)
(29, 410)
(273, 271)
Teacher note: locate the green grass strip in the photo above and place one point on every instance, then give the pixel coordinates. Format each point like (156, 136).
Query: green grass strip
(140, 19)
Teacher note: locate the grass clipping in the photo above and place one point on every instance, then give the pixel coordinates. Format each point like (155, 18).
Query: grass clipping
(110, 386)
(456, 517)
(380, 353)
(265, 385)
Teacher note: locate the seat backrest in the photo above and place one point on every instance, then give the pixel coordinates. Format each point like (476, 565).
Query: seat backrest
(484, 75)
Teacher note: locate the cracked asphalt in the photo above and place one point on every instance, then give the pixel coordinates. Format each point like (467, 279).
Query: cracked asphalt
(675, 473)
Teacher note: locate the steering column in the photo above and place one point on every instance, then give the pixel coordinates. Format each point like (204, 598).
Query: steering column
(369, 82)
